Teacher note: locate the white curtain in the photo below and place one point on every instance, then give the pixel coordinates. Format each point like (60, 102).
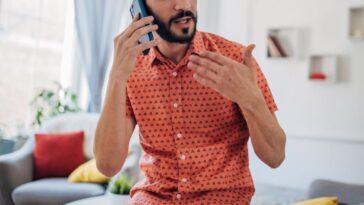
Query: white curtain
(97, 23)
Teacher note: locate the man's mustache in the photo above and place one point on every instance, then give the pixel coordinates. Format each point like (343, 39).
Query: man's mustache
(181, 15)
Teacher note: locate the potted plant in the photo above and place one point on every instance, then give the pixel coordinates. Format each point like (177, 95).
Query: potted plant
(52, 102)
(119, 188)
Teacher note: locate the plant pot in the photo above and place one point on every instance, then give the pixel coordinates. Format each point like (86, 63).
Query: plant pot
(19, 143)
(117, 198)
(6, 146)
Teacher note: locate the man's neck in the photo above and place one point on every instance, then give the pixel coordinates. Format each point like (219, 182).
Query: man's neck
(173, 51)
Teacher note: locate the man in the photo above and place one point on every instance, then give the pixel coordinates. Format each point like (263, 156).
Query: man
(197, 98)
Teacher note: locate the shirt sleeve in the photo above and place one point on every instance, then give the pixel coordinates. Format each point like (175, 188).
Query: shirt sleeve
(128, 108)
(264, 88)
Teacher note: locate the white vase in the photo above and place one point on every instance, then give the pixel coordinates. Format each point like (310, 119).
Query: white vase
(117, 198)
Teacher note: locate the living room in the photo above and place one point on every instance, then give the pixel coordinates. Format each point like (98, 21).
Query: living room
(56, 58)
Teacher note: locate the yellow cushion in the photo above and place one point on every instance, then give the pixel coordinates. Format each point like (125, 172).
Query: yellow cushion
(320, 201)
(87, 172)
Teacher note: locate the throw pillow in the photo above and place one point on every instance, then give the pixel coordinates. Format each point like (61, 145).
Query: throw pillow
(57, 155)
(87, 172)
(320, 201)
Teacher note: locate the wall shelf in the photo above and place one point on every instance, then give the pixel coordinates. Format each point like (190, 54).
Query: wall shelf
(323, 68)
(284, 43)
(356, 18)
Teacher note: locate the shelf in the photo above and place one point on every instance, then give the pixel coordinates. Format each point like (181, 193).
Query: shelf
(323, 68)
(284, 43)
(356, 30)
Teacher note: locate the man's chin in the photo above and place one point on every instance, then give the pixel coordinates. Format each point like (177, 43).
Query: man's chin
(183, 39)
(181, 35)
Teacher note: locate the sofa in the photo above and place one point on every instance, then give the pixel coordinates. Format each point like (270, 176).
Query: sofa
(17, 186)
(350, 194)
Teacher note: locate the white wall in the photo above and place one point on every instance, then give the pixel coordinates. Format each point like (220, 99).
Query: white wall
(324, 123)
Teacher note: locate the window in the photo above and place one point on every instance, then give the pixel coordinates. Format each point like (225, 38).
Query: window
(31, 43)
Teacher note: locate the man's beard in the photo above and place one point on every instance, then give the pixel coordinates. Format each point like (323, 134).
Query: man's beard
(164, 31)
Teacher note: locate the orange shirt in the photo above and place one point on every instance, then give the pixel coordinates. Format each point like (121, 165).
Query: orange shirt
(194, 139)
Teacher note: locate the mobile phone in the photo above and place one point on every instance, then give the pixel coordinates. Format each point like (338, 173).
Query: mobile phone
(138, 6)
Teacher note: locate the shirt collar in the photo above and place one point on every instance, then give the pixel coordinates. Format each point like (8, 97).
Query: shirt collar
(196, 46)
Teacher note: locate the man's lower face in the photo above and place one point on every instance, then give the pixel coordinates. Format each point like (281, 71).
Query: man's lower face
(183, 27)
(180, 30)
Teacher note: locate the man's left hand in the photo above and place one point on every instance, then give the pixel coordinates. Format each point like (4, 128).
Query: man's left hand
(233, 80)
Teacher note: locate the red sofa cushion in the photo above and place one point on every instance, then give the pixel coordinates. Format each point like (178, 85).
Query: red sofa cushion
(58, 154)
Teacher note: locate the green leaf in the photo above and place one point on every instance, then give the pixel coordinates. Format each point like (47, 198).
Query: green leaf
(51, 102)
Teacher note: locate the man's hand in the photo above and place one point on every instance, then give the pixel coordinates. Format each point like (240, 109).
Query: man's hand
(233, 80)
(127, 46)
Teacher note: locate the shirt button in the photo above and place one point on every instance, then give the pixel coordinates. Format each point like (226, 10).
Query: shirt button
(174, 74)
(183, 157)
(175, 105)
(179, 135)
(184, 180)
(178, 196)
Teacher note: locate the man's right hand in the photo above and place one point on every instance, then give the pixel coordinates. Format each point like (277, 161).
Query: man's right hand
(127, 47)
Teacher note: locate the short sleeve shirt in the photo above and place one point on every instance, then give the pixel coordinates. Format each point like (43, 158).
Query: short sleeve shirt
(194, 139)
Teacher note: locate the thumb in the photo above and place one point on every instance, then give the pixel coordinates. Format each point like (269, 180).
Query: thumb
(248, 56)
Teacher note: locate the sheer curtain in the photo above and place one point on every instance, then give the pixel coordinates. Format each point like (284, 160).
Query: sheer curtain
(97, 23)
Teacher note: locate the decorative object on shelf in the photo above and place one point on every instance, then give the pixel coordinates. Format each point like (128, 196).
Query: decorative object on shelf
(284, 43)
(275, 49)
(317, 76)
(48, 103)
(122, 185)
(356, 16)
(323, 68)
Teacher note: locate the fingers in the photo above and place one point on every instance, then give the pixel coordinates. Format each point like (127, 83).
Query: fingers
(137, 24)
(248, 56)
(207, 63)
(136, 17)
(205, 81)
(142, 31)
(141, 47)
(203, 71)
(220, 59)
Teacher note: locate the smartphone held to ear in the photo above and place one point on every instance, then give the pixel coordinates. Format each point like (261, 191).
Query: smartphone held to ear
(138, 6)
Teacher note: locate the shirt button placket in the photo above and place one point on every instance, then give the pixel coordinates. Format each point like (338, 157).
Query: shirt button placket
(175, 105)
(176, 101)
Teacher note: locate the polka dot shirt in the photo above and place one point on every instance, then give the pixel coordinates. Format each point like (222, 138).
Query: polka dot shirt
(194, 139)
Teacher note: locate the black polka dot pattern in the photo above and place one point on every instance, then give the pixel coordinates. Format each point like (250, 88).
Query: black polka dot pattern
(194, 139)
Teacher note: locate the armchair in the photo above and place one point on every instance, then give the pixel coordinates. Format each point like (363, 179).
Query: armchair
(16, 169)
